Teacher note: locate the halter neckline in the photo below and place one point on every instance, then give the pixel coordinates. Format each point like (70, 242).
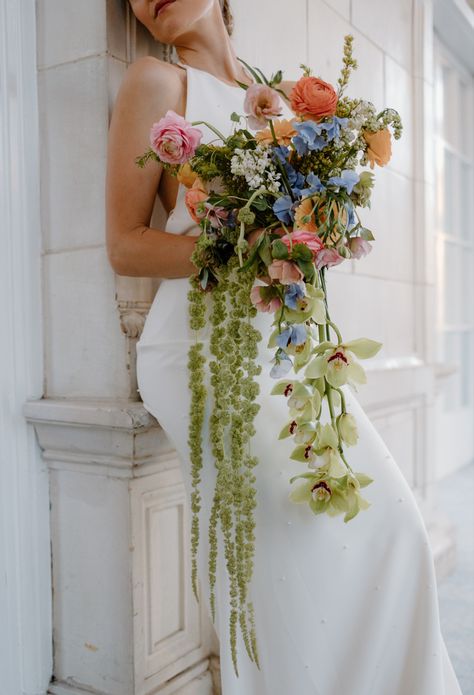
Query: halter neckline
(227, 84)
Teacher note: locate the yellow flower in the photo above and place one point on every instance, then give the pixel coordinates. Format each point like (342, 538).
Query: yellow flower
(186, 175)
(284, 131)
(379, 147)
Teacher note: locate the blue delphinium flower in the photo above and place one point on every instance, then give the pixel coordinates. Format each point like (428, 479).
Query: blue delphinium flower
(315, 185)
(334, 126)
(281, 152)
(282, 209)
(282, 365)
(293, 292)
(296, 335)
(295, 178)
(351, 216)
(309, 136)
(347, 180)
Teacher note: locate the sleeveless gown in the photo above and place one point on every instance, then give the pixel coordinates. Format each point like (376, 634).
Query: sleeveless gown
(340, 609)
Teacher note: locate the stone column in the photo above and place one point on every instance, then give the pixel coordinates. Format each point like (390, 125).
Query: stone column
(125, 621)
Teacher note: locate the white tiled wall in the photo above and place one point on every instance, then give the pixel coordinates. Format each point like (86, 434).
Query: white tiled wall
(382, 296)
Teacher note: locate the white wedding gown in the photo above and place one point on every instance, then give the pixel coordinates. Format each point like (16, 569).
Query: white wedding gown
(340, 609)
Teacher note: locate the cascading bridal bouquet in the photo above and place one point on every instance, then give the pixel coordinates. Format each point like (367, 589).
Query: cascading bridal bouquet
(293, 189)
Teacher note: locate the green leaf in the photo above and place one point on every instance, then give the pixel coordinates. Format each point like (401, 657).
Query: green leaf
(260, 203)
(301, 251)
(264, 250)
(234, 117)
(279, 250)
(267, 82)
(242, 84)
(252, 72)
(366, 234)
(277, 77)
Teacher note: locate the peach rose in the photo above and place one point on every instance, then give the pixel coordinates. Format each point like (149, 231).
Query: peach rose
(313, 98)
(186, 175)
(305, 209)
(261, 103)
(284, 131)
(379, 147)
(193, 198)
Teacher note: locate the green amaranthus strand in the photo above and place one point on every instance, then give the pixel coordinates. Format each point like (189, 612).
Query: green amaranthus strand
(234, 347)
(196, 364)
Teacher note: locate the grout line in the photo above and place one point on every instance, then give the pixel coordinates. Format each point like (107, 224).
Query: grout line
(54, 252)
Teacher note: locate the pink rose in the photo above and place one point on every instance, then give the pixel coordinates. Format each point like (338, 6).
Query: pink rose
(359, 247)
(174, 139)
(328, 257)
(309, 239)
(261, 103)
(264, 298)
(285, 272)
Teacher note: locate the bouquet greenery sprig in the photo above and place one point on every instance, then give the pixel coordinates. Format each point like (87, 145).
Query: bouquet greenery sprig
(297, 185)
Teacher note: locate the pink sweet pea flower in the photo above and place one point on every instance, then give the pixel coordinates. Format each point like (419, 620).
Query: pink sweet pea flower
(261, 103)
(328, 257)
(309, 239)
(359, 247)
(285, 272)
(174, 139)
(264, 299)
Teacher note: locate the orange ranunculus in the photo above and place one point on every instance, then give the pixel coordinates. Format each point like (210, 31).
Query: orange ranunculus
(304, 209)
(312, 98)
(284, 131)
(379, 147)
(186, 175)
(194, 196)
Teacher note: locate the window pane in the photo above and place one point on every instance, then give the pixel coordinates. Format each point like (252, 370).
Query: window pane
(466, 376)
(452, 356)
(467, 194)
(452, 277)
(449, 222)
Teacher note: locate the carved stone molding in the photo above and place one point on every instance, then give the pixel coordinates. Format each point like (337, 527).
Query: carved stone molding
(119, 521)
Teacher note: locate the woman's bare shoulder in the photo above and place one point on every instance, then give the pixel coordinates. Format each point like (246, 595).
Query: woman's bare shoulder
(153, 78)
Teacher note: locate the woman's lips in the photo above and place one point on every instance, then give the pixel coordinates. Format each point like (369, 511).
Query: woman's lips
(160, 5)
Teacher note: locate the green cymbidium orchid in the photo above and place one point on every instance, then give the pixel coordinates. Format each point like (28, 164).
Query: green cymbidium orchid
(336, 363)
(332, 495)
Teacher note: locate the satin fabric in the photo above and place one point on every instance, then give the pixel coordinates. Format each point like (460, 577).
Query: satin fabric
(340, 609)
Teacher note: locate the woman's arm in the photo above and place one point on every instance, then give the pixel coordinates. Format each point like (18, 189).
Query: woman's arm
(149, 88)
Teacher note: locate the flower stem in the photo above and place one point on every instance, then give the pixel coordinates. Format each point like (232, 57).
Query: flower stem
(280, 165)
(217, 132)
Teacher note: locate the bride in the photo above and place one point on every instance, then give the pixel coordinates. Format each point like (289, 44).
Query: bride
(340, 609)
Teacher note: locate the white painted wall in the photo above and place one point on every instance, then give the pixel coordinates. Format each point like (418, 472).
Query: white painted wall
(88, 429)
(25, 587)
